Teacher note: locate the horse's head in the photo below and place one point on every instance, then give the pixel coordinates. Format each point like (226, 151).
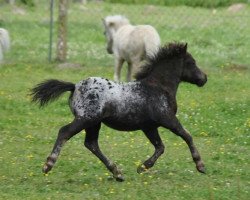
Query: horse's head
(191, 73)
(108, 32)
(111, 25)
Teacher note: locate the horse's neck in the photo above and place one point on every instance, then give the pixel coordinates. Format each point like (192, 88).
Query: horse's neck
(166, 77)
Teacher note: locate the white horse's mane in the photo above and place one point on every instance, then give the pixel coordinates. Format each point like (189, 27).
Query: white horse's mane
(117, 20)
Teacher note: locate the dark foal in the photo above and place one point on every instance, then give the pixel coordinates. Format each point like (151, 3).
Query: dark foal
(145, 104)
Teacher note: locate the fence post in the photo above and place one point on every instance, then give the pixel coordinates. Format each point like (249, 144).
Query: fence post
(62, 31)
(51, 28)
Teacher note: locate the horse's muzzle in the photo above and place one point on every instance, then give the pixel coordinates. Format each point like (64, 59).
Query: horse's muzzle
(202, 81)
(109, 50)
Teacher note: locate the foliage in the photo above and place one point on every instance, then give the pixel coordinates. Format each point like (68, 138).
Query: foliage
(217, 115)
(193, 3)
(28, 2)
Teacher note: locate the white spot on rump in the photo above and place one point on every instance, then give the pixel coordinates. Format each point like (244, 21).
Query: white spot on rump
(103, 91)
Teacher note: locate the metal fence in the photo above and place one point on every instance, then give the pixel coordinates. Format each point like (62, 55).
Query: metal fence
(219, 37)
(216, 37)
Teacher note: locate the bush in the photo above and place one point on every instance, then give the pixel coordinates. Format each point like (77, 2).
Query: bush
(193, 3)
(28, 2)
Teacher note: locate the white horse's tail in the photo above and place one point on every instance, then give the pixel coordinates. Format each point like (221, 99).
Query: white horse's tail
(152, 42)
(4, 39)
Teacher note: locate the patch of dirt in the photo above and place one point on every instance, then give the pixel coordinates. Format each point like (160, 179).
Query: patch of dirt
(18, 11)
(70, 66)
(236, 67)
(149, 9)
(236, 7)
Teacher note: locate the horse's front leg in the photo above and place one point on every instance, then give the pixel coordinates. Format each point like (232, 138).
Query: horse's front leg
(118, 66)
(129, 73)
(174, 125)
(91, 142)
(64, 134)
(154, 138)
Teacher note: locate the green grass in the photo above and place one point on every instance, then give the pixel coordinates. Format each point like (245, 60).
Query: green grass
(218, 115)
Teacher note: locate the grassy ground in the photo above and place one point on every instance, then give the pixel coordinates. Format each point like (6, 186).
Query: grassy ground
(216, 115)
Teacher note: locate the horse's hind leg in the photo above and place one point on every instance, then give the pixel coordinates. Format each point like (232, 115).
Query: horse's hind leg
(91, 142)
(65, 133)
(154, 138)
(175, 126)
(118, 67)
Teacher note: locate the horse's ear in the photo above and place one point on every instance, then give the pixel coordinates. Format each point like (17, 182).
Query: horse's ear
(185, 47)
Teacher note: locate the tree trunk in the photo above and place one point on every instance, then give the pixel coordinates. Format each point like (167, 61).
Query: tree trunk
(62, 31)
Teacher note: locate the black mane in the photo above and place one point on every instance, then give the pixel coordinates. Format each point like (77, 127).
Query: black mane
(166, 52)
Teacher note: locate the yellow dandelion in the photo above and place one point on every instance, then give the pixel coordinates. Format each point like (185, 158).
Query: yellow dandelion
(29, 137)
(112, 191)
(30, 156)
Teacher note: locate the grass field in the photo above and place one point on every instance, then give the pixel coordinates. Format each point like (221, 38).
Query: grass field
(218, 115)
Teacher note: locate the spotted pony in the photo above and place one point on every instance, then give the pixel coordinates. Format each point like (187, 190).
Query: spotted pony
(144, 104)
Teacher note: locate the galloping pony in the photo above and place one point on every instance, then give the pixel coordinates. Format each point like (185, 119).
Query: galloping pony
(129, 43)
(144, 104)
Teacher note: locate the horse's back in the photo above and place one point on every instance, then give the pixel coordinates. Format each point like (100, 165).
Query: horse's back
(97, 95)
(136, 41)
(150, 37)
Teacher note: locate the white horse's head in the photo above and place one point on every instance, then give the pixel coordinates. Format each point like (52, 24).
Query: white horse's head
(111, 25)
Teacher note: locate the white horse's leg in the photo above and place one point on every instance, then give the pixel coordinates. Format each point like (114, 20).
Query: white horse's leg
(129, 72)
(118, 67)
(133, 67)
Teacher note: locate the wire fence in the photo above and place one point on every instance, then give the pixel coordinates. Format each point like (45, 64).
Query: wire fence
(219, 37)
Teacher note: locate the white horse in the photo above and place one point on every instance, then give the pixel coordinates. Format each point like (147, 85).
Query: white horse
(129, 43)
(4, 42)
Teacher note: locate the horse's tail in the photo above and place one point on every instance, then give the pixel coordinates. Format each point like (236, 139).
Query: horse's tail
(50, 90)
(152, 42)
(4, 39)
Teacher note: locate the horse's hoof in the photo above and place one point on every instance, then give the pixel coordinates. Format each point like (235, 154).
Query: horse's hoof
(142, 168)
(201, 169)
(119, 178)
(46, 168)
